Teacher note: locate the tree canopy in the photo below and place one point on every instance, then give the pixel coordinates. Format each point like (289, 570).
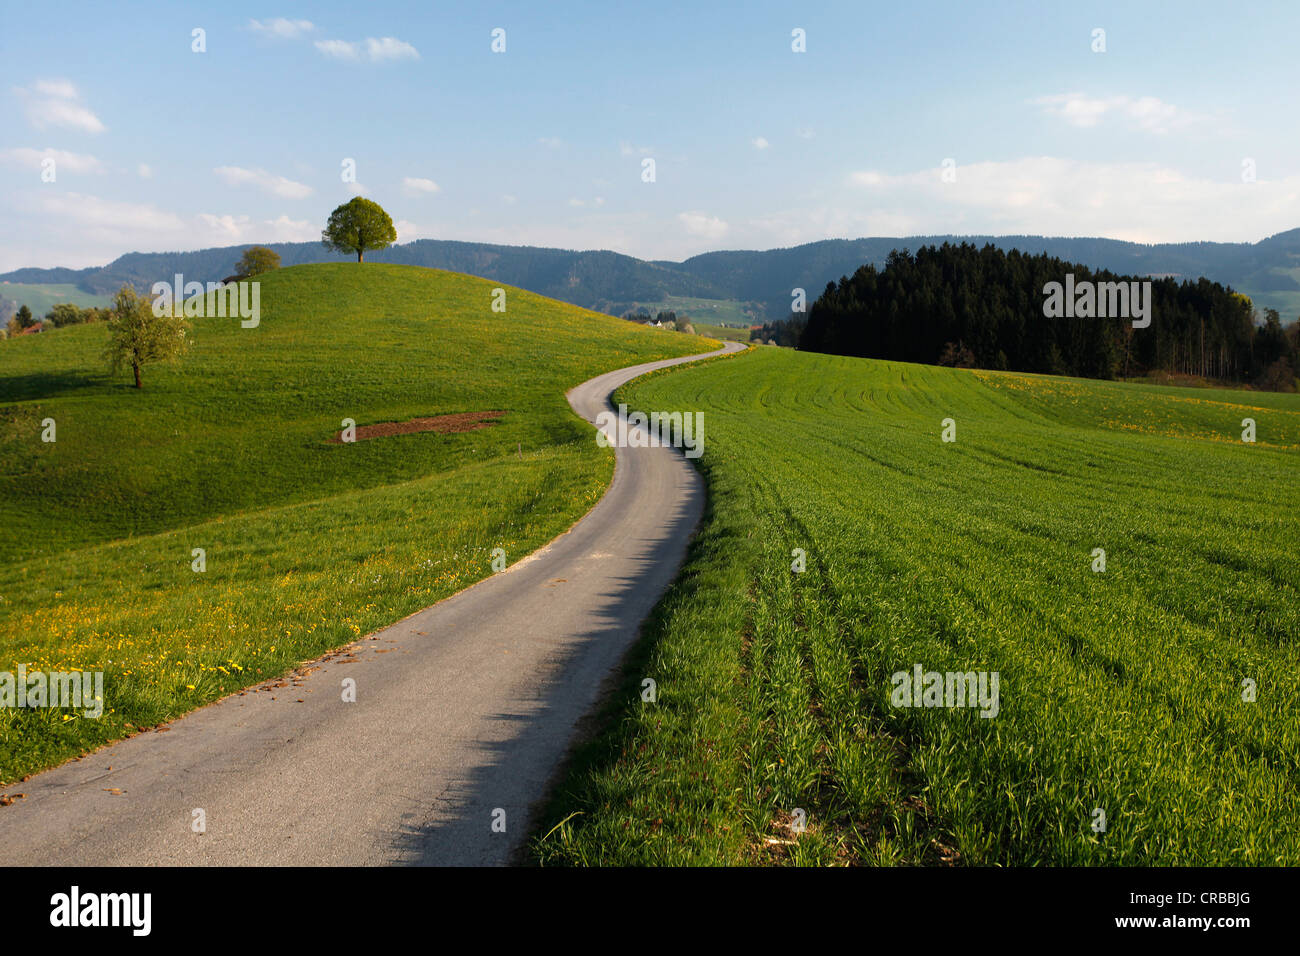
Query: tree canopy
(358, 225)
(256, 260)
(962, 305)
(138, 336)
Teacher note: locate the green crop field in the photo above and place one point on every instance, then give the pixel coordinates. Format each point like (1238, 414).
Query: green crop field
(1161, 691)
(307, 544)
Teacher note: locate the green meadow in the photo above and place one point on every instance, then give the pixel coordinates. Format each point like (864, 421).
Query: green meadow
(41, 297)
(307, 544)
(696, 310)
(723, 332)
(1161, 691)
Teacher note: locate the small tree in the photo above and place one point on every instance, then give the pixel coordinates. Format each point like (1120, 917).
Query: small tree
(358, 225)
(64, 313)
(136, 335)
(24, 318)
(256, 260)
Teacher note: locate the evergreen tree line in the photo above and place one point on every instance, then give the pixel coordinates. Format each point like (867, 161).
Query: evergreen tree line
(957, 304)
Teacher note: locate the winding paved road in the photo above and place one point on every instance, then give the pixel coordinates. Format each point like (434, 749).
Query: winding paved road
(462, 709)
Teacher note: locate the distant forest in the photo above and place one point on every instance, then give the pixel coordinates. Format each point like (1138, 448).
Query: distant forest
(984, 308)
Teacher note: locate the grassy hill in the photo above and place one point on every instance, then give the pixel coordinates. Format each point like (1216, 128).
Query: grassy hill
(1120, 690)
(308, 543)
(723, 284)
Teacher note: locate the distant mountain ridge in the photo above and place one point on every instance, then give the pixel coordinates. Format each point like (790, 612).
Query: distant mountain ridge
(1268, 271)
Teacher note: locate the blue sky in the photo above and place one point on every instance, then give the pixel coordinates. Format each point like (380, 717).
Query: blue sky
(157, 147)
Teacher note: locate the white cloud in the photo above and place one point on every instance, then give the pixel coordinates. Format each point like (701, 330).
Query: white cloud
(280, 27)
(57, 103)
(145, 171)
(145, 227)
(61, 89)
(389, 48)
(275, 185)
(228, 229)
(805, 133)
(867, 177)
(374, 50)
(760, 143)
(508, 199)
(408, 231)
(1145, 112)
(576, 202)
(339, 49)
(414, 184)
(356, 189)
(702, 225)
(1044, 195)
(109, 218)
(76, 229)
(72, 162)
(551, 142)
(628, 149)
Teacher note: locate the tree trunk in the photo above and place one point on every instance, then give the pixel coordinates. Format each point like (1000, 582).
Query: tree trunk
(136, 368)
(359, 254)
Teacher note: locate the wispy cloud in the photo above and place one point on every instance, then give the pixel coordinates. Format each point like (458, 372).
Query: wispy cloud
(33, 158)
(58, 103)
(702, 225)
(339, 49)
(1144, 112)
(389, 48)
(372, 49)
(408, 231)
(281, 27)
(415, 184)
(87, 229)
(235, 229)
(1045, 195)
(760, 143)
(268, 182)
(125, 222)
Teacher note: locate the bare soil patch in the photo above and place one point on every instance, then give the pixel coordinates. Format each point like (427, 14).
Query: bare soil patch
(444, 424)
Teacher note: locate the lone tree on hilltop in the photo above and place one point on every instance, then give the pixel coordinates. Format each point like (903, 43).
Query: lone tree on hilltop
(256, 260)
(358, 225)
(137, 334)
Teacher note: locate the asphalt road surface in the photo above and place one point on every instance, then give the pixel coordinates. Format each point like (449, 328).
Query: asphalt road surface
(463, 712)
